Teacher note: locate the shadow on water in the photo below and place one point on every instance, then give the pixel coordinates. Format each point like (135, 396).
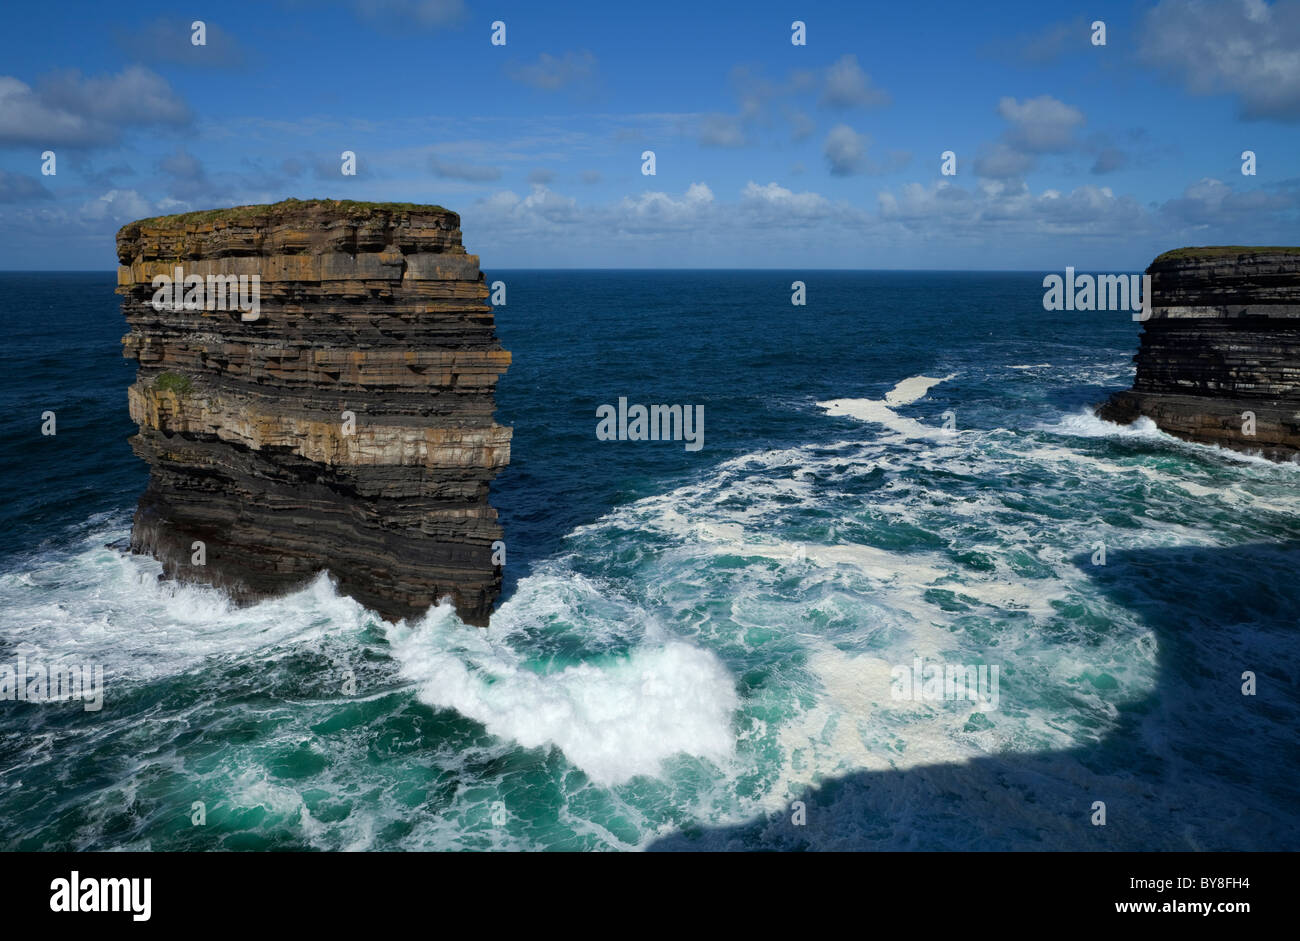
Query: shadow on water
(1193, 765)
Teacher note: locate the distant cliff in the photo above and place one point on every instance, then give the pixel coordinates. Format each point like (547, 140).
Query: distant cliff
(1220, 355)
(339, 417)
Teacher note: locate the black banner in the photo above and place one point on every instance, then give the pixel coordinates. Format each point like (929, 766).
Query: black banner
(297, 891)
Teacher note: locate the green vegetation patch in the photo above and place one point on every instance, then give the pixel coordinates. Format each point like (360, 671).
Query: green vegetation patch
(1213, 251)
(286, 207)
(173, 382)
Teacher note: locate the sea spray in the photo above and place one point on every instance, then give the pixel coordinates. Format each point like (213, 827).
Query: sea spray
(615, 718)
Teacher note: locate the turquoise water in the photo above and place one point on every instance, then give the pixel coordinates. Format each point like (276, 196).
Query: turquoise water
(690, 642)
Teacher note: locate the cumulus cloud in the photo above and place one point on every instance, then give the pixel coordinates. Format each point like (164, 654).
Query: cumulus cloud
(1038, 126)
(67, 109)
(542, 204)
(1011, 208)
(1041, 125)
(659, 210)
(542, 176)
(846, 152)
(1001, 161)
(916, 201)
(1211, 202)
(118, 206)
(1088, 209)
(806, 205)
(1242, 47)
(847, 86)
(694, 213)
(764, 103)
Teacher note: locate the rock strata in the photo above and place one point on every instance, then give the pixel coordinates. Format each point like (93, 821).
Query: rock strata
(347, 426)
(1219, 356)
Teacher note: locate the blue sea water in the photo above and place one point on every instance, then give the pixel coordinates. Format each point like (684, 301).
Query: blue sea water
(693, 648)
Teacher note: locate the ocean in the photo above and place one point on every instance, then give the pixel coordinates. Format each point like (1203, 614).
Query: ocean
(694, 648)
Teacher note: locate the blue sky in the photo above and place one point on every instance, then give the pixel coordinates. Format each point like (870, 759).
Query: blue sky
(767, 154)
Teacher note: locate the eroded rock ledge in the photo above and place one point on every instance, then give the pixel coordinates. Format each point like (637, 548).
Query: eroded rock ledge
(1223, 339)
(368, 308)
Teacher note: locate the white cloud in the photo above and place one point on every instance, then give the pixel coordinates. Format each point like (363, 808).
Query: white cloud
(916, 201)
(118, 206)
(847, 86)
(1041, 125)
(845, 150)
(663, 210)
(1243, 47)
(1009, 208)
(773, 195)
(1000, 161)
(70, 110)
(1037, 126)
(1211, 202)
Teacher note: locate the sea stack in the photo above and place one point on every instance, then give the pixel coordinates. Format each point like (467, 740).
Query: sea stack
(1219, 360)
(340, 419)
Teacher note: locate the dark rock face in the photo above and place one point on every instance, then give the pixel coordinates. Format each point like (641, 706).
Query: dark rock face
(1223, 340)
(370, 309)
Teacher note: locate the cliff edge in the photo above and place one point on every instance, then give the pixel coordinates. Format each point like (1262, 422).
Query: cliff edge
(315, 391)
(1219, 357)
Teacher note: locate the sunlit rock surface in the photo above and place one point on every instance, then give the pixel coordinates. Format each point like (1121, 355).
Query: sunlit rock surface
(369, 308)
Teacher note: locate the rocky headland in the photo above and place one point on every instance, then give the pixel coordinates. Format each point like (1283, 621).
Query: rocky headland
(1219, 356)
(343, 421)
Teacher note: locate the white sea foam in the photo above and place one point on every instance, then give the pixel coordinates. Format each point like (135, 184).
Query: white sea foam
(913, 389)
(872, 594)
(882, 411)
(99, 605)
(614, 719)
(1085, 424)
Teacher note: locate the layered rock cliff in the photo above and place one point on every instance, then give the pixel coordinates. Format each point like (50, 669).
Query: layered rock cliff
(1219, 356)
(346, 424)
